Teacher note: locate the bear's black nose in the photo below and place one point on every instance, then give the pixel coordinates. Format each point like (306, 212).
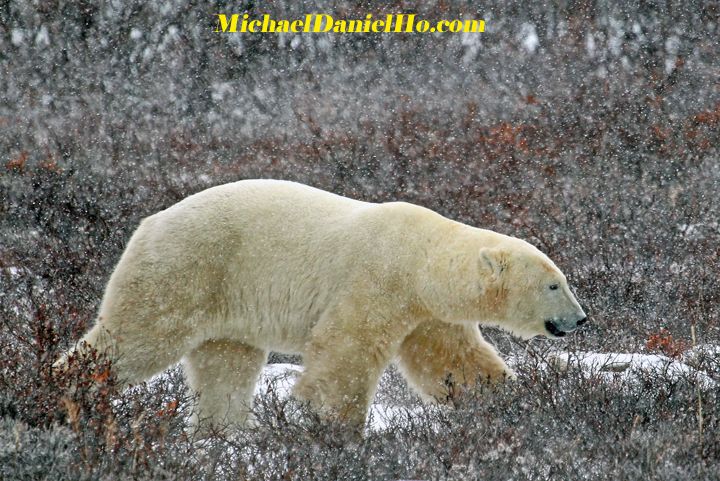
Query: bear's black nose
(582, 321)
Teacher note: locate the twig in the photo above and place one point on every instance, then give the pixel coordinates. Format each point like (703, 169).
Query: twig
(699, 393)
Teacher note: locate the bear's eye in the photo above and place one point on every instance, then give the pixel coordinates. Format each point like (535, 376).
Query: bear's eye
(554, 287)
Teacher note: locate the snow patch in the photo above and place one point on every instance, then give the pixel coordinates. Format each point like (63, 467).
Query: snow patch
(472, 43)
(17, 37)
(590, 45)
(611, 367)
(702, 353)
(627, 366)
(280, 378)
(13, 272)
(529, 37)
(42, 37)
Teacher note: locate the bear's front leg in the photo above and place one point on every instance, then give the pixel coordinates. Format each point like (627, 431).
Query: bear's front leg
(347, 354)
(436, 351)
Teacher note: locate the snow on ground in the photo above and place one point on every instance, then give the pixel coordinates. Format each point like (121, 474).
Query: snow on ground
(281, 377)
(627, 366)
(613, 367)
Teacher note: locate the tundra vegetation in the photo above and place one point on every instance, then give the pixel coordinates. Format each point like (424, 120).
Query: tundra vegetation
(589, 128)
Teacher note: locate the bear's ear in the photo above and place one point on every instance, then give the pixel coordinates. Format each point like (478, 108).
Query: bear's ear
(493, 261)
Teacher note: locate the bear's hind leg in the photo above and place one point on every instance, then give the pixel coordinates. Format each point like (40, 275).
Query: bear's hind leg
(436, 351)
(223, 373)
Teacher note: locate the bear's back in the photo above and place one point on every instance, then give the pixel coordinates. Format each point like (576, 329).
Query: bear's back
(274, 197)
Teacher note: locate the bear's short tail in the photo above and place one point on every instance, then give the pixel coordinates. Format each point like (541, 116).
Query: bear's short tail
(96, 338)
(61, 365)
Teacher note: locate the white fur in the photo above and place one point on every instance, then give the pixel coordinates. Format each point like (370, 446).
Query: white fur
(228, 274)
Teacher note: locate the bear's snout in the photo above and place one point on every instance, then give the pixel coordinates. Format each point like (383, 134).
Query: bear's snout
(553, 329)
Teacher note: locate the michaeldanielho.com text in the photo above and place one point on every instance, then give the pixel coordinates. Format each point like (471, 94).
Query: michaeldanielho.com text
(322, 23)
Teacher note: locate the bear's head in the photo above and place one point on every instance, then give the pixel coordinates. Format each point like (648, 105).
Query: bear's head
(526, 292)
(510, 284)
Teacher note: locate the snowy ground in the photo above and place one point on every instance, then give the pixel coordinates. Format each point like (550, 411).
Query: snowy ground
(624, 368)
(281, 377)
(627, 367)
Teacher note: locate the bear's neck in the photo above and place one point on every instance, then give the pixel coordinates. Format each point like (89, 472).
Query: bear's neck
(448, 283)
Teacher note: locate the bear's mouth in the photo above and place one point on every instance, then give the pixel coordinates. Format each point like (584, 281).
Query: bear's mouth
(553, 329)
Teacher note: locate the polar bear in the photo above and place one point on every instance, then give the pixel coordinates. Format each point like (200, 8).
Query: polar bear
(228, 274)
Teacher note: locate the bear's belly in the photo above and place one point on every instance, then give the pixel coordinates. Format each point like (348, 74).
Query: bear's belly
(278, 310)
(270, 331)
